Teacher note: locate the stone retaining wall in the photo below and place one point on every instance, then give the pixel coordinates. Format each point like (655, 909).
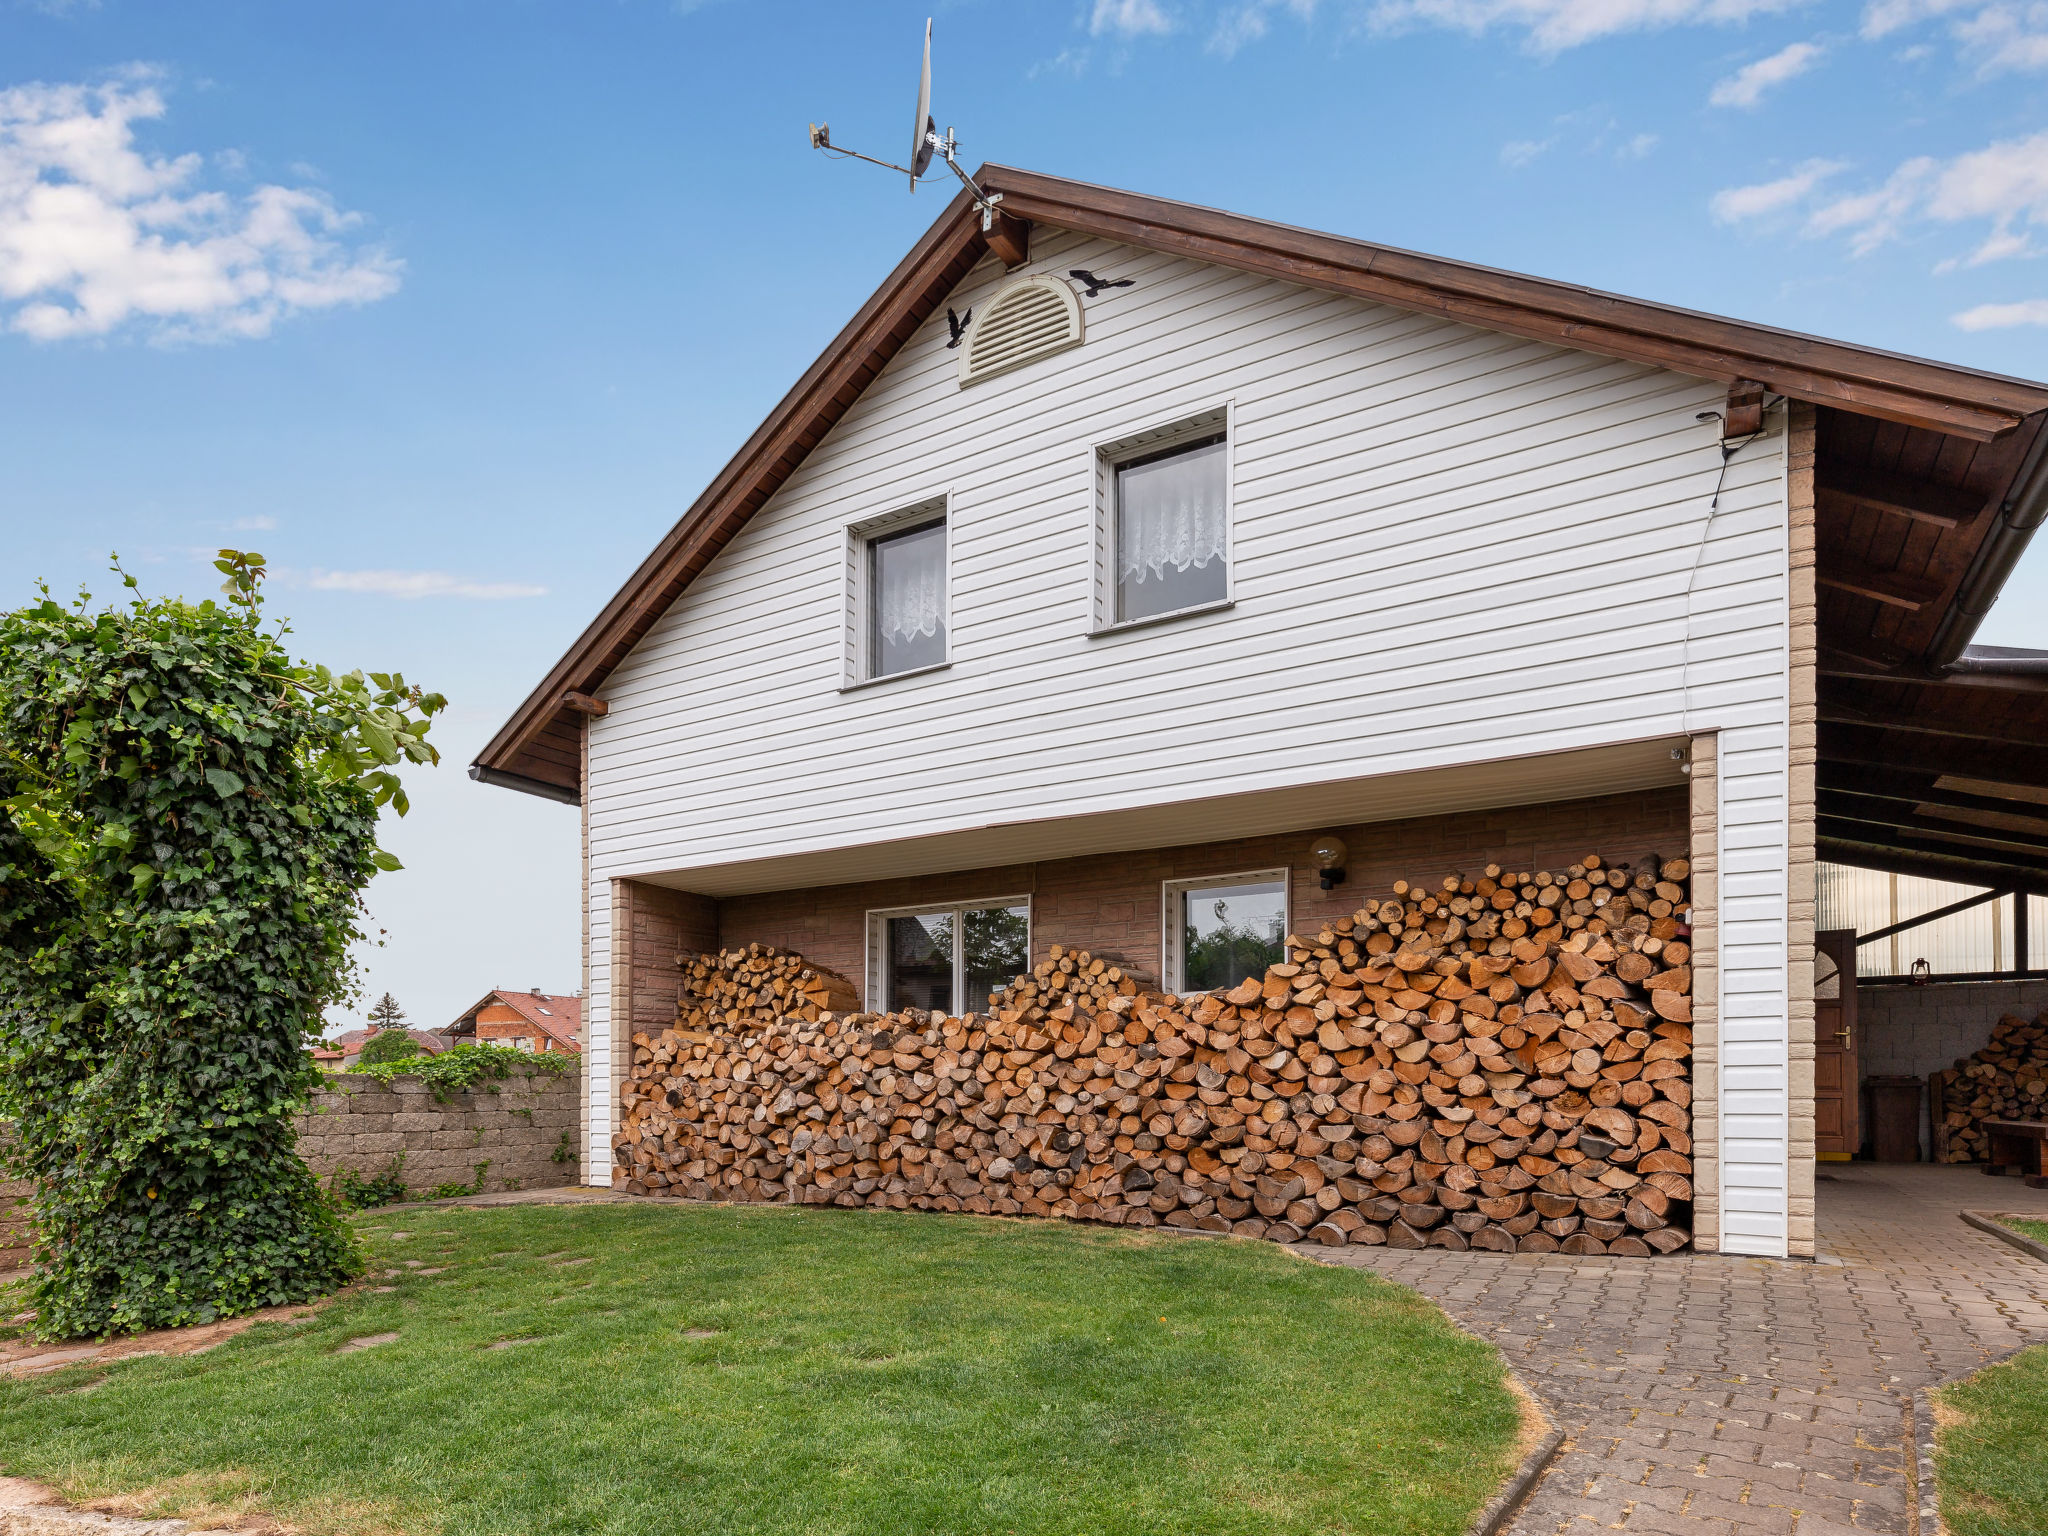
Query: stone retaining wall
(361, 1124)
(16, 1230)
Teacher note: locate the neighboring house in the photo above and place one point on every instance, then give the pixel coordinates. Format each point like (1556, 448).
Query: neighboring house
(1209, 537)
(351, 1044)
(526, 1021)
(329, 1058)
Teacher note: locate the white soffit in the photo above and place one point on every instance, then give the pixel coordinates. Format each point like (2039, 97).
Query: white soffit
(1497, 784)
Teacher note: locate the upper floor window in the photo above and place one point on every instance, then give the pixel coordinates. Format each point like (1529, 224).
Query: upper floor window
(1223, 929)
(897, 618)
(1163, 522)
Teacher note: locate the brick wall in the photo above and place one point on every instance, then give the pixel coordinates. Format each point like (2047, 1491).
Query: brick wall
(1111, 904)
(361, 1124)
(1913, 1031)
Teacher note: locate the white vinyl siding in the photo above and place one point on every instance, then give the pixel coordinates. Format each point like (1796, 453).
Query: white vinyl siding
(1449, 546)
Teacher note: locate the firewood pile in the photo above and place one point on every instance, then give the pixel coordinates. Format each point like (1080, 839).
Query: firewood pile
(744, 989)
(1500, 1062)
(2006, 1080)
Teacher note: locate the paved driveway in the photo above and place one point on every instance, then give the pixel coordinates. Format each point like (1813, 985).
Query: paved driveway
(1725, 1395)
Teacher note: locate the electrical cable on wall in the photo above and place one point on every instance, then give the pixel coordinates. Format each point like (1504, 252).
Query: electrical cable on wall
(1728, 452)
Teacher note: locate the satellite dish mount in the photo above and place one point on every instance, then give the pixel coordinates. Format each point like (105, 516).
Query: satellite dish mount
(926, 141)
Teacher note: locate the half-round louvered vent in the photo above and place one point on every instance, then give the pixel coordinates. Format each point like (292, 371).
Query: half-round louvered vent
(1026, 320)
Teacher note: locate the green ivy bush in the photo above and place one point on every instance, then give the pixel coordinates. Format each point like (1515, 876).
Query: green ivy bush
(187, 820)
(464, 1066)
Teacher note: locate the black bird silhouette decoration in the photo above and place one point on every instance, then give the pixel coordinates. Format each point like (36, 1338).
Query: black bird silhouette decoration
(957, 324)
(1097, 284)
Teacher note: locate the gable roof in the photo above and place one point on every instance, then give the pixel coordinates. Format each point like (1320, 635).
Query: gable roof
(538, 750)
(559, 1018)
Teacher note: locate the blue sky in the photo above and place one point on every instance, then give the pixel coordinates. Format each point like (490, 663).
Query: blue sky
(450, 307)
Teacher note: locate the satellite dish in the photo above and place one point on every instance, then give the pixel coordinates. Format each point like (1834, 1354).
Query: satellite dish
(922, 130)
(926, 144)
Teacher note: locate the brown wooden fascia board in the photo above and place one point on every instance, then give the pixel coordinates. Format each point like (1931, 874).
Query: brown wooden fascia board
(1912, 391)
(824, 393)
(1959, 402)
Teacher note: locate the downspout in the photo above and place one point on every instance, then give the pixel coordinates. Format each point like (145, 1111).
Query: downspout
(2022, 511)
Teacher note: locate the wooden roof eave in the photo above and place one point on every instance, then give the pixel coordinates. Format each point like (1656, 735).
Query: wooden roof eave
(1915, 392)
(1912, 391)
(817, 400)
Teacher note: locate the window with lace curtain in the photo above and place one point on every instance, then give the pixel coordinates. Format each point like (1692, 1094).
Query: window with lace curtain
(1163, 522)
(897, 617)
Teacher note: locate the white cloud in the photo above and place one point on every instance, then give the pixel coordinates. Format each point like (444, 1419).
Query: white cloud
(1735, 204)
(97, 235)
(411, 584)
(1745, 88)
(1129, 18)
(1639, 147)
(1247, 23)
(2006, 37)
(1999, 36)
(1993, 317)
(1555, 25)
(1881, 18)
(1519, 152)
(2005, 184)
(253, 524)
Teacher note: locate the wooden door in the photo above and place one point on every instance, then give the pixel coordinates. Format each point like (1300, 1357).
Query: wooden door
(1837, 1094)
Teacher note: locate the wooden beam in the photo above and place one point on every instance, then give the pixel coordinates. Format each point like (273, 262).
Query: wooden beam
(1890, 813)
(1835, 662)
(1009, 240)
(1744, 414)
(1935, 916)
(1894, 587)
(1910, 789)
(585, 704)
(1933, 718)
(1924, 501)
(2015, 850)
(1881, 748)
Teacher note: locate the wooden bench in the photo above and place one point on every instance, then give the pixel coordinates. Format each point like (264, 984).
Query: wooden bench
(2019, 1146)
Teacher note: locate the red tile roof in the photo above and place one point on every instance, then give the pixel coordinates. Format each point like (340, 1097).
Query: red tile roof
(559, 1018)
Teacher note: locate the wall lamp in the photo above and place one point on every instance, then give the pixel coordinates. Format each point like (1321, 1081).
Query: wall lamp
(1329, 853)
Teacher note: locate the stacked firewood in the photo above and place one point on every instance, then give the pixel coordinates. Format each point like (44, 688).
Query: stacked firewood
(745, 989)
(1501, 1062)
(2006, 1080)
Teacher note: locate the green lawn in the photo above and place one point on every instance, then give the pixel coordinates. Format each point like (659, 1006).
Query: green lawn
(729, 1370)
(1991, 1455)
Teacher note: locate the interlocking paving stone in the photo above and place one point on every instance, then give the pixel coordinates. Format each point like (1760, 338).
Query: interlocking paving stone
(1713, 1395)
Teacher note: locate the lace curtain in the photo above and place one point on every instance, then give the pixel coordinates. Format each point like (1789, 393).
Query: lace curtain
(1170, 514)
(910, 583)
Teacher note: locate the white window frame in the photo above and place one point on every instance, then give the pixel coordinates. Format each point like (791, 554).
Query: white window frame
(1172, 941)
(878, 943)
(855, 663)
(1108, 458)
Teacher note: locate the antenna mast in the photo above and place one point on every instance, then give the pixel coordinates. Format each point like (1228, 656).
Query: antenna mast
(926, 141)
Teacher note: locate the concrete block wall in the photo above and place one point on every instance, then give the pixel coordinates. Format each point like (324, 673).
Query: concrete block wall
(362, 1124)
(1906, 1031)
(17, 1233)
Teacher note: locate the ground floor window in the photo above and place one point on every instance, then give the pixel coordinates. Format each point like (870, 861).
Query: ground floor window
(1223, 928)
(947, 958)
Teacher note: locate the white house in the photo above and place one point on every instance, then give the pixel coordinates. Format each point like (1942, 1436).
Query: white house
(1116, 552)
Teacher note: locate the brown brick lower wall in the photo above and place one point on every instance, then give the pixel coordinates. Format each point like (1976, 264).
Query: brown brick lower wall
(361, 1124)
(1111, 904)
